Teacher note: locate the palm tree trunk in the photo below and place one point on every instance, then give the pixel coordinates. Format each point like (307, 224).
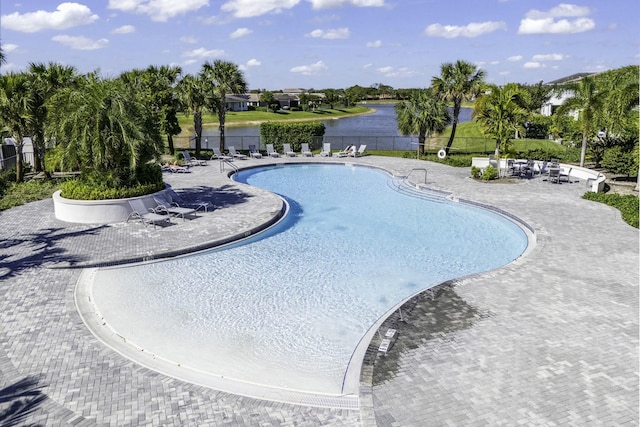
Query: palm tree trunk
(170, 144)
(421, 141)
(221, 119)
(454, 124)
(583, 151)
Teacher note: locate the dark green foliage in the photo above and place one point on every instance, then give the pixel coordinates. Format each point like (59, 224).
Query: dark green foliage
(618, 160)
(124, 183)
(538, 127)
(628, 205)
(476, 172)
(6, 178)
(278, 133)
(16, 194)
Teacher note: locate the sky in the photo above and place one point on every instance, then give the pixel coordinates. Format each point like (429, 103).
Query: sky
(324, 44)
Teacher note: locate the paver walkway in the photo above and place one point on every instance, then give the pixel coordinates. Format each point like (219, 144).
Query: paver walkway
(549, 340)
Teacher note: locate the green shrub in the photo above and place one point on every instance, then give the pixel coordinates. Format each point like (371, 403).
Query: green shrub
(489, 173)
(455, 160)
(628, 205)
(618, 160)
(17, 194)
(278, 133)
(7, 177)
(476, 172)
(124, 183)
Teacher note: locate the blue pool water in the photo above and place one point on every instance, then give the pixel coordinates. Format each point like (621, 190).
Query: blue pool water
(288, 308)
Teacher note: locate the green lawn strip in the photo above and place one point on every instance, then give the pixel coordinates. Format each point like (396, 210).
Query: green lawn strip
(628, 205)
(20, 193)
(252, 117)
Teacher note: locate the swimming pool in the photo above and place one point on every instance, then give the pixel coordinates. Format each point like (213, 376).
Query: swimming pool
(287, 308)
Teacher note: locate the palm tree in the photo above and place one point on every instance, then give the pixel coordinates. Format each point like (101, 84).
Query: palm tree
(44, 82)
(15, 112)
(501, 112)
(457, 82)
(586, 100)
(423, 113)
(225, 78)
(191, 90)
(100, 126)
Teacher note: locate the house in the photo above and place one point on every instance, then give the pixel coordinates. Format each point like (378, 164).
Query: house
(236, 103)
(550, 107)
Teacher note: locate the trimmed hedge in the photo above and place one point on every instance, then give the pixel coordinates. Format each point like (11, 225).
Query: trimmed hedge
(278, 133)
(628, 205)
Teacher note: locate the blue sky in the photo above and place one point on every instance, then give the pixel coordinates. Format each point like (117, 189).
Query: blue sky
(326, 43)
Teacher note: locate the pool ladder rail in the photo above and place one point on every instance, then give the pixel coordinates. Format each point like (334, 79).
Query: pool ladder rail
(224, 162)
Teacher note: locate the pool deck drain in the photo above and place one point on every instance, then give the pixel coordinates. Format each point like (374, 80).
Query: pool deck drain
(550, 340)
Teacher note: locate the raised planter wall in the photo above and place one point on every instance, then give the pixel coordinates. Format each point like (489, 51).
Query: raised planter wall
(96, 211)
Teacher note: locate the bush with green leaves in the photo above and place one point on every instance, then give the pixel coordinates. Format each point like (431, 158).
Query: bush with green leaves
(618, 160)
(628, 205)
(476, 172)
(121, 184)
(490, 173)
(278, 133)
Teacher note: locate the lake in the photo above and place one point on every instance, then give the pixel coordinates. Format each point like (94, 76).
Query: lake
(379, 131)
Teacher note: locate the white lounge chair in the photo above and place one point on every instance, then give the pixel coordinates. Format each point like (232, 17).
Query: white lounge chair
(271, 151)
(286, 149)
(165, 206)
(234, 153)
(253, 152)
(192, 161)
(146, 216)
(354, 153)
(175, 168)
(343, 153)
(305, 150)
(217, 155)
(326, 149)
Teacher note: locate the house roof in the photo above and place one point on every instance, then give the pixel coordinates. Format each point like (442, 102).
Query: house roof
(570, 79)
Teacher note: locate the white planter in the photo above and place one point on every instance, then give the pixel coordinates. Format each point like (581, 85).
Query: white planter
(95, 211)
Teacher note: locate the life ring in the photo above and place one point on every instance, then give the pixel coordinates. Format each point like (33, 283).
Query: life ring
(442, 154)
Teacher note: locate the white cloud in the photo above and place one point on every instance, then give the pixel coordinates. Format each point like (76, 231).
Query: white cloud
(188, 40)
(533, 64)
(80, 42)
(158, 10)
(473, 29)
(9, 47)
(240, 32)
(203, 53)
(376, 43)
(515, 58)
(396, 72)
(563, 10)
(250, 63)
(545, 22)
(548, 57)
(251, 8)
(125, 29)
(327, 4)
(66, 15)
(335, 33)
(309, 69)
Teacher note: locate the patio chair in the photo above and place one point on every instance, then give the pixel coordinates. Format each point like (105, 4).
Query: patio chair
(217, 155)
(253, 152)
(286, 149)
(234, 153)
(271, 151)
(554, 175)
(305, 150)
(326, 149)
(165, 206)
(359, 153)
(146, 216)
(342, 153)
(174, 168)
(192, 161)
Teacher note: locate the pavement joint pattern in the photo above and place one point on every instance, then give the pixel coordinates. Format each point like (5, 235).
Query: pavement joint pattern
(551, 339)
